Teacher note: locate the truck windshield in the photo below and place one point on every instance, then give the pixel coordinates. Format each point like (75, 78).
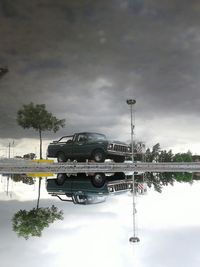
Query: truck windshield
(66, 139)
(96, 136)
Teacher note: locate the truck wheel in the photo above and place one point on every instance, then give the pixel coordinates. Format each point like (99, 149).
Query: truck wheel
(61, 157)
(98, 180)
(119, 159)
(98, 156)
(61, 177)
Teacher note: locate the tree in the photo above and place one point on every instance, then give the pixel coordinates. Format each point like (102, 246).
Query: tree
(182, 157)
(165, 156)
(154, 154)
(29, 156)
(158, 155)
(38, 118)
(148, 155)
(31, 223)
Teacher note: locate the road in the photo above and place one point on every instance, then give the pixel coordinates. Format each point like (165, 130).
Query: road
(26, 166)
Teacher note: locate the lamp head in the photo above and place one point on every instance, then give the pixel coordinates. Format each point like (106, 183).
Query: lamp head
(130, 101)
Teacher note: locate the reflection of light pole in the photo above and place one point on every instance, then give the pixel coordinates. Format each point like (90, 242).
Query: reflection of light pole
(131, 102)
(9, 174)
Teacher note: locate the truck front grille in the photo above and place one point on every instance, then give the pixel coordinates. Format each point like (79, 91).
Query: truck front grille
(120, 187)
(120, 148)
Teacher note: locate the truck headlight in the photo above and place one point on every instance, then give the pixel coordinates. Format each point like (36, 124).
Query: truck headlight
(110, 146)
(111, 189)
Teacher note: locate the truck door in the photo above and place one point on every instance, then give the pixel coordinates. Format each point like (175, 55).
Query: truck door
(80, 147)
(66, 146)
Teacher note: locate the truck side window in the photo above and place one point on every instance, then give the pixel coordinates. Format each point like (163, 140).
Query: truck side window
(82, 138)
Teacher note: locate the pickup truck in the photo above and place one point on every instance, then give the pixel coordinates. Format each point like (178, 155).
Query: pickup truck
(87, 145)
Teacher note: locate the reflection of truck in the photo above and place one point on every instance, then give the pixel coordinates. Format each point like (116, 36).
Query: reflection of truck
(82, 189)
(82, 146)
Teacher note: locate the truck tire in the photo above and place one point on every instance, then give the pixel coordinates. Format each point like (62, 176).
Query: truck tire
(98, 180)
(61, 157)
(98, 155)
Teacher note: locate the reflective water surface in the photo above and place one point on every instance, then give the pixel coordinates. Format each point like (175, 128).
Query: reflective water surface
(87, 220)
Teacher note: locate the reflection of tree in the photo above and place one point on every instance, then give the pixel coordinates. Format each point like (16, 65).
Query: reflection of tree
(27, 180)
(183, 176)
(196, 176)
(153, 179)
(17, 177)
(158, 180)
(39, 190)
(31, 223)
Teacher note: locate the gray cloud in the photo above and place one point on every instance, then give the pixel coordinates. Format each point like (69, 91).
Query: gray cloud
(84, 59)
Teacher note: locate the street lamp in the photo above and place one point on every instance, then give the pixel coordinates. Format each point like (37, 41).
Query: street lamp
(132, 102)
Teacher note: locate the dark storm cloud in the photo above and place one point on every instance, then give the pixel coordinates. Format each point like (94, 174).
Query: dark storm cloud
(84, 58)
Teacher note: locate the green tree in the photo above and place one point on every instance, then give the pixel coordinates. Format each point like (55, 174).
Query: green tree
(165, 156)
(154, 154)
(148, 155)
(38, 118)
(31, 223)
(182, 157)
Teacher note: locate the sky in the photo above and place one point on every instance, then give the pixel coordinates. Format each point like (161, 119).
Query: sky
(83, 59)
(167, 224)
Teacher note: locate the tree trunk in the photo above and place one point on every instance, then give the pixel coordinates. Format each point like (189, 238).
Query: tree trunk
(40, 133)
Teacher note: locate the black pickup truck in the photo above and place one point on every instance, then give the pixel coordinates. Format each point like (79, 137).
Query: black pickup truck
(86, 145)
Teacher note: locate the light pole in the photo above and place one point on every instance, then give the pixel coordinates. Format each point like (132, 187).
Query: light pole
(132, 102)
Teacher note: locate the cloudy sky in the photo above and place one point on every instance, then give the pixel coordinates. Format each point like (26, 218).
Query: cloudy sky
(83, 59)
(97, 235)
